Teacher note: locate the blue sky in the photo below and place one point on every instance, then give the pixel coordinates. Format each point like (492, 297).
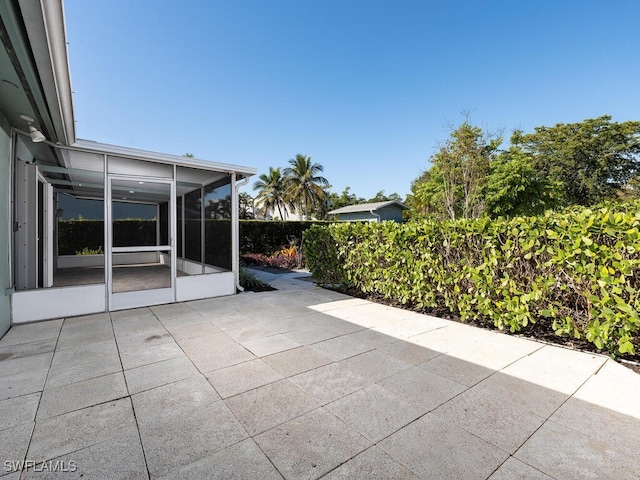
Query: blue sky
(369, 88)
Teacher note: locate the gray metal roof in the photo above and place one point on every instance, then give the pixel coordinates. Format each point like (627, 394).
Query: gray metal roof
(126, 152)
(368, 207)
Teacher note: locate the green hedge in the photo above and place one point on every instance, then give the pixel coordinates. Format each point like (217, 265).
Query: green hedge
(76, 235)
(268, 237)
(578, 269)
(255, 236)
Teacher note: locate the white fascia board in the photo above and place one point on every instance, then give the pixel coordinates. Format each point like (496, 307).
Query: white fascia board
(44, 22)
(126, 152)
(57, 37)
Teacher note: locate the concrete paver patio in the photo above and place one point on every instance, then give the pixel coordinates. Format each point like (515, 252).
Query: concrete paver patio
(305, 383)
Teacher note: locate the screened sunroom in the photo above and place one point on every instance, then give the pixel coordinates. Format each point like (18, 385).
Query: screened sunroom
(89, 227)
(99, 227)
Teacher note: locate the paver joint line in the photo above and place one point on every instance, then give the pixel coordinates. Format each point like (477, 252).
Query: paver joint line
(144, 456)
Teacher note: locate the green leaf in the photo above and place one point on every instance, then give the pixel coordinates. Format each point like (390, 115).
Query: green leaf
(626, 347)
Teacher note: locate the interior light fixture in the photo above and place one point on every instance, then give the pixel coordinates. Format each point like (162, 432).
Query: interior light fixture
(36, 135)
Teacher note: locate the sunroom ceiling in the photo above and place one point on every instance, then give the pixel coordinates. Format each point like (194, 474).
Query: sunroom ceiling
(83, 177)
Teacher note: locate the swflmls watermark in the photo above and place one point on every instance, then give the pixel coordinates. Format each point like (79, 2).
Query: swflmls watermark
(47, 466)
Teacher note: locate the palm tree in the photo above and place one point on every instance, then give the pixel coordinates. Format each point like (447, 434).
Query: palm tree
(245, 206)
(271, 193)
(304, 185)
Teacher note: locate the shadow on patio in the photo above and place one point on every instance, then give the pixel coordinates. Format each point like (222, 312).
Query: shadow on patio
(305, 383)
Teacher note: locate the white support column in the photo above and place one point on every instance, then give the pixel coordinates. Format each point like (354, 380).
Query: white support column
(49, 220)
(172, 228)
(158, 224)
(203, 228)
(235, 229)
(108, 224)
(236, 226)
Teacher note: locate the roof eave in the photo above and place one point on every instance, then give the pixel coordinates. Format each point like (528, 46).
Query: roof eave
(47, 36)
(126, 152)
(367, 207)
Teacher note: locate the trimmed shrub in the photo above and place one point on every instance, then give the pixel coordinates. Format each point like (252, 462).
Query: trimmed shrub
(578, 269)
(76, 235)
(268, 237)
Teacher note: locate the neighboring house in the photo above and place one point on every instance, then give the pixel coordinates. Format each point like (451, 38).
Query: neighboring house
(194, 202)
(288, 213)
(371, 212)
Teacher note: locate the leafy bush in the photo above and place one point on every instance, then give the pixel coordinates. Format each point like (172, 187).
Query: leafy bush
(268, 237)
(578, 269)
(255, 236)
(90, 251)
(251, 259)
(248, 279)
(287, 258)
(76, 235)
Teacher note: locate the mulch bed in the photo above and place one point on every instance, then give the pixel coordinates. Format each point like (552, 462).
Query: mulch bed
(263, 287)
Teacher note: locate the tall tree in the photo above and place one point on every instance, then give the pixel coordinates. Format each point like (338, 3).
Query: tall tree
(245, 206)
(427, 195)
(462, 165)
(345, 199)
(514, 187)
(305, 187)
(593, 159)
(381, 197)
(271, 192)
